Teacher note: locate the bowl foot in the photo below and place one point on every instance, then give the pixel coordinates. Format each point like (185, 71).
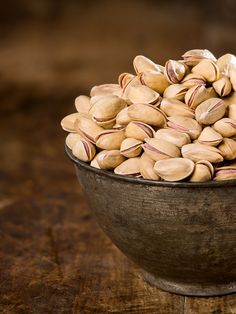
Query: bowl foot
(188, 288)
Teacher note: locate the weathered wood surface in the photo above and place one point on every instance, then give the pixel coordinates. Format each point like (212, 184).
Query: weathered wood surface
(53, 256)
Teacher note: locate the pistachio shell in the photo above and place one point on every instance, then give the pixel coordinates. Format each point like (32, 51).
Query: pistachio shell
(226, 127)
(124, 79)
(192, 79)
(110, 139)
(174, 71)
(87, 128)
(195, 95)
(173, 136)
(201, 173)
(209, 111)
(72, 138)
(233, 78)
(68, 123)
(147, 168)
(226, 63)
(174, 107)
(176, 91)
(147, 114)
(194, 56)
(212, 93)
(142, 64)
(94, 162)
(82, 103)
(129, 167)
(142, 94)
(139, 130)
(123, 117)
(109, 159)
(208, 69)
(174, 169)
(222, 86)
(134, 82)
(232, 111)
(160, 149)
(228, 148)
(104, 90)
(84, 150)
(155, 80)
(185, 125)
(197, 152)
(210, 137)
(231, 99)
(225, 174)
(130, 147)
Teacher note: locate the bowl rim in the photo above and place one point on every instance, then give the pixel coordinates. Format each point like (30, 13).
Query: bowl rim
(130, 179)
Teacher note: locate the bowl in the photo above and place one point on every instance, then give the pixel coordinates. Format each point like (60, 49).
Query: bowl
(182, 235)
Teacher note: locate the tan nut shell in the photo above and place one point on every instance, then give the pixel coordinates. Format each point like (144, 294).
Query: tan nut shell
(176, 91)
(210, 137)
(173, 136)
(130, 147)
(82, 103)
(155, 80)
(202, 172)
(110, 139)
(192, 79)
(226, 63)
(228, 148)
(209, 111)
(174, 107)
(139, 130)
(147, 168)
(123, 118)
(174, 71)
(197, 152)
(222, 86)
(208, 69)
(72, 138)
(142, 64)
(84, 150)
(142, 94)
(226, 127)
(160, 149)
(87, 128)
(185, 125)
(124, 79)
(196, 95)
(232, 111)
(68, 122)
(194, 56)
(129, 167)
(104, 90)
(109, 159)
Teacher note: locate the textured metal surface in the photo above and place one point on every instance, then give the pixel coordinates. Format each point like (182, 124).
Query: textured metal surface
(185, 237)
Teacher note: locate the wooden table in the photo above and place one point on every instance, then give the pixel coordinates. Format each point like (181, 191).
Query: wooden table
(53, 256)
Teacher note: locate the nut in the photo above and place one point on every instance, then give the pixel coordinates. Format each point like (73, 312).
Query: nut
(105, 89)
(139, 130)
(110, 139)
(226, 127)
(154, 80)
(185, 125)
(176, 91)
(142, 64)
(208, 69)
(194, 56)
(226, 63)
(84, 150)
(174, 107)
(72, 138)
(82, 104)
(196, 95)
(197, 152)
(142, 94)
(87, 128)
(222, 86)
(109, 159)
(147, 168)
(209, 111)
(228, 149)
(174, 71)
(130, 147)
(173, 136)
(129, 167)
(203, 171)
(192, 79)
(210, 137)
(68, 123)
(160, 149)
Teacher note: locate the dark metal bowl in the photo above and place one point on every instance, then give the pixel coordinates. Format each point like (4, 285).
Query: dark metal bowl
(183, 235)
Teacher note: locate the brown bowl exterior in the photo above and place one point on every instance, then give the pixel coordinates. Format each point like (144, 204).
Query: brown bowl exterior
(183, 235)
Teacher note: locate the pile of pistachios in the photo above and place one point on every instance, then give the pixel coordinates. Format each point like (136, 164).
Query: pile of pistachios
(174, 122)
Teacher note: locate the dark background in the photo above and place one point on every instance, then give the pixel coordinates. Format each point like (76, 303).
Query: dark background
(53, 257)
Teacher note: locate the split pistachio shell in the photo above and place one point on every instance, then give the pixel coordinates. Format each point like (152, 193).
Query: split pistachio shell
(208, 69)
(185, 125)
(196, 95)
(233, 78)
(123, 117)
(212, 93)
(174, 71)
(209, 111)
(68, 123)
(82, 104)
(87, 129)
(210, 137)
(142, 94)
(106, 109)
(94, 162)
(226, 63)
(226, 172)
(228, 148)
(129, 167)
(72, 138)
(147, 114)
(84, 150)
(192, 79)
(124, 79)
(176, 91)
(110, 139)
(173, 136)
(109, 159)
(142, 64)
(203, 172)
(174, 169)
(222, 86)
(194, 56)
(139, 130)
(174, 107)
(197, 152)
(232, 111)
(154, 80)
(160, 149)
(226, 127)
(104, 89)
(147, 168)
(130, 147)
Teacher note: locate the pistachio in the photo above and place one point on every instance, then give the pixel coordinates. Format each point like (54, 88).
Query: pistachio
(160, 149)
(147, 168)
(222, 86)
(87, 128)
(192, 79)
(233, 78)
(231, 99)
(129, 167)
(72, 138)
(142, 64)
(226, 63)
(173, 136)
(154, 80)
(104, 89)
(203, 171)
(209, 111)
(130, 147)
(176, 91)
(123, 117)
(84, 150)
(94, 162)
(109, 159)
(232, 111)
(174, 71)
(147, 114)
(228, 148)
(142, 94)
(212, 93)
(185, 125)
(174, 107)
(124, 79)
(139, 130)
(134, 82)
(208, 69)
(210, 137)
(226, 127)
(82, 103)
(68, 123)
(226, 172)
(110, 139)
(197, 152)
(194, 56)
(105, 110)
(195, 95)
(174, 169)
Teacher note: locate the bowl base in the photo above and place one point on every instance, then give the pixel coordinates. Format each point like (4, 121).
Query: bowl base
(197, 290)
